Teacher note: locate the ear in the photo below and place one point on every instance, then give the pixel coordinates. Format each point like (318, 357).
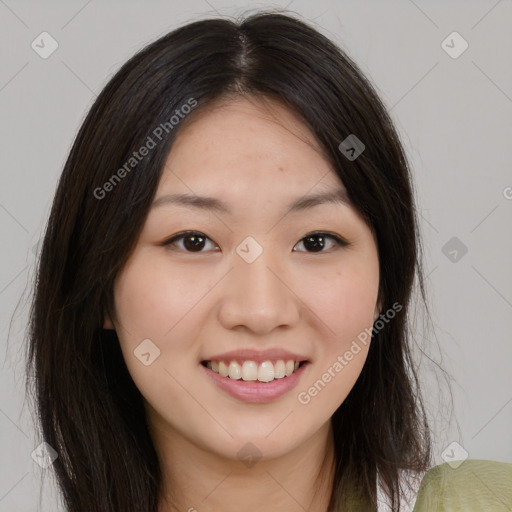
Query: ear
(376, 313)
(107, 324)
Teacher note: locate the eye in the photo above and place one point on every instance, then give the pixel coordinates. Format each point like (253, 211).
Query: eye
(194, 241)
(316, 241)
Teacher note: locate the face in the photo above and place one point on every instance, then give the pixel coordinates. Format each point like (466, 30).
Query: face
(255, 275)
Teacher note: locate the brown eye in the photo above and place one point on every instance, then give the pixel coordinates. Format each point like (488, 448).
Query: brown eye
(316, 242)
(193, 241)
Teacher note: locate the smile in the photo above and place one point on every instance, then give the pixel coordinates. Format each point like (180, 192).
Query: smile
(253, 389)
(267, 371)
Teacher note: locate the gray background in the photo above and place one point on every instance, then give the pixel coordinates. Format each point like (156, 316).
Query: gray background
(455, 119)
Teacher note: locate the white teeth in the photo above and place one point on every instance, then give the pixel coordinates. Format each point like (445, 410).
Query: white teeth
(279, 369)
(250, 370)
(235, 370)
(266, 371)
(223, 369)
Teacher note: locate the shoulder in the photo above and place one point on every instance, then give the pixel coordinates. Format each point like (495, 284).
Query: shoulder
(474, 485)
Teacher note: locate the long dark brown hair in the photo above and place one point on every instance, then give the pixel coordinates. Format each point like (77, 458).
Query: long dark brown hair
(88, 407)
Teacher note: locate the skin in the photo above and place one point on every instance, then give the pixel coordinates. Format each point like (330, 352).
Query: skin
(194, 304)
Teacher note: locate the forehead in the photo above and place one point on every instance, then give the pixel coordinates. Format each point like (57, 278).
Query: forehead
(243, 144)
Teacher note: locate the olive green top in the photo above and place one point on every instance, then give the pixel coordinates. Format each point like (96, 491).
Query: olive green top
(472, 486)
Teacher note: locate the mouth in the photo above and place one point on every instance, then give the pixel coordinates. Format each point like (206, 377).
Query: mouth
(264, 372)
(253, 383)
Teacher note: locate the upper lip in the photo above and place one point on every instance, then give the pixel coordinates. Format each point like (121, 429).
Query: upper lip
(258, 356)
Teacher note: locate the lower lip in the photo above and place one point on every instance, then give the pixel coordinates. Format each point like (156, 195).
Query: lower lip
(253, 390)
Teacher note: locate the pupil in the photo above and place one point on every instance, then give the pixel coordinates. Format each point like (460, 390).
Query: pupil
(197, 242)
(315, 246)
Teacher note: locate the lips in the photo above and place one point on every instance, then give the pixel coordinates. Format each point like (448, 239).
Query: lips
(256, 391)
(258, 356)
(256, 375)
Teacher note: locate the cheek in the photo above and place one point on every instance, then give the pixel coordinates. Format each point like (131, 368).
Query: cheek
(344, 300)
(151, 296)
(153, 302)
(345, 307)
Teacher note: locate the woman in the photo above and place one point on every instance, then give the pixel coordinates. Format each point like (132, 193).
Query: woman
(220, 315)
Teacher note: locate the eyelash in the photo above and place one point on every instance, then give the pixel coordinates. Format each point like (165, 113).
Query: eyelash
(340, 242)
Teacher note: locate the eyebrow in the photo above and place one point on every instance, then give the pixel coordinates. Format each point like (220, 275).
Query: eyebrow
(338, 196)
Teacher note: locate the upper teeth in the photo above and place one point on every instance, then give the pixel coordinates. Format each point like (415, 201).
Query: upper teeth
(249, 370)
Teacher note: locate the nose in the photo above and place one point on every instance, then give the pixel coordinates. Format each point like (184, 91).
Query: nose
(258, 297)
